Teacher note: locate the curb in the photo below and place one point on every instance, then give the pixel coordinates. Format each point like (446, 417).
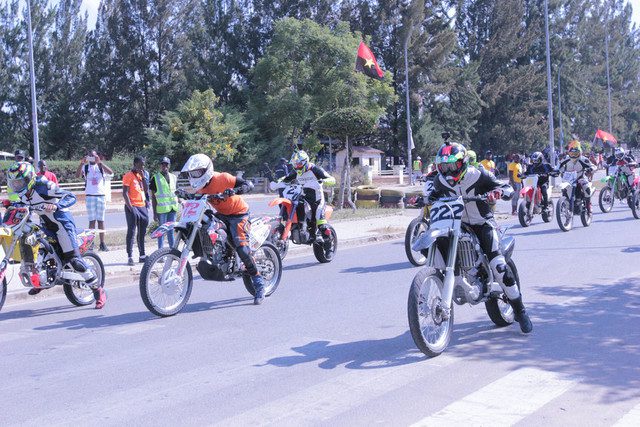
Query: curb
(131, 277)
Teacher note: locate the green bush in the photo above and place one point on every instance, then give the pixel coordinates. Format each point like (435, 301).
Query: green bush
(65, 170)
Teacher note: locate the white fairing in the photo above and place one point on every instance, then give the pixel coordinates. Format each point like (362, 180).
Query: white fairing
(195, 162)
(259, 233)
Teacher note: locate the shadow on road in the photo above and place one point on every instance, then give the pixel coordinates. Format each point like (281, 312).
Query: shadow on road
(515, 232)
(216, 305)
(22, 314)
(99, 321)
(629, 218)
(301, 266)
(631, 249)
(367, 354)
(591, 334)
(379, 268)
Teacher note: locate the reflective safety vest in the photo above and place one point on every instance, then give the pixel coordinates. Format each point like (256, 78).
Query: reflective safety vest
(13, 197)
(165, 195)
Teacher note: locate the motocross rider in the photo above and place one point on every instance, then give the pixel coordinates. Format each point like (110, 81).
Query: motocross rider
(457, 178)
(311, 177)
(233, 210)
(576, 162)
(625, 161)
(543, 170)
(57, 221)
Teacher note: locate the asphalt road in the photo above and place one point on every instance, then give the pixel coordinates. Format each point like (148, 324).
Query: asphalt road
(258, 205)
(332, 347)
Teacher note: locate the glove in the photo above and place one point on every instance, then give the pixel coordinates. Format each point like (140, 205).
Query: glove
(229, 192)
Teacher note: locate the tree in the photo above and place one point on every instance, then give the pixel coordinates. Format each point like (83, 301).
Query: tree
(196, 126)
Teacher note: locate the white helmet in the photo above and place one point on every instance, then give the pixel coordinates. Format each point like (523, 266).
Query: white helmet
(199, 168)
(619, 153)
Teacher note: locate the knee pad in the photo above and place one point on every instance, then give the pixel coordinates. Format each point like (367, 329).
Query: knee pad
(504, 277)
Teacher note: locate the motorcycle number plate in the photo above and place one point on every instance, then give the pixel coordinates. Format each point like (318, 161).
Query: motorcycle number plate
(569, 176)
(191, 210)
(613, 170)
(445, 213)
(292, 191)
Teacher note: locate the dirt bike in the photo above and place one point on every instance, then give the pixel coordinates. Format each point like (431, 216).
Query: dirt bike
(325, 244)
(616, 187)
(41, 265)
(531, 203)
(569, 204)
(465, 277)
(166, 279)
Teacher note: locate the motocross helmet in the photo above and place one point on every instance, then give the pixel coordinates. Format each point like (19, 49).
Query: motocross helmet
(300, 161)
(452, 162)
(199, 169)
(21, 178)
(574, 149)
(536, 158)
(619, 153)
(473, 157)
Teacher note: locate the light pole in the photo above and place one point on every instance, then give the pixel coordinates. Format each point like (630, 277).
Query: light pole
(606, 53)
(549, 96)
(34, 105)
(561, 142)
(406, 81)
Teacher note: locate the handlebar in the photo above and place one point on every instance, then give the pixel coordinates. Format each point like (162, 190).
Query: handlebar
(196, 196)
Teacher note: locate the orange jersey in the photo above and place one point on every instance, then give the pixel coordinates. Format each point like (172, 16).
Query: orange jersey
(234, 205)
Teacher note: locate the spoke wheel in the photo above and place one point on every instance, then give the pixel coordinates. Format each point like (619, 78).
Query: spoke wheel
(429, 322)
(564, 215)
(635, 203)
(269, 266)
(163, 292)
(606, 199)
(78, 293)
(415, 229)
(325, 250)
(499, 310)
(523, 215)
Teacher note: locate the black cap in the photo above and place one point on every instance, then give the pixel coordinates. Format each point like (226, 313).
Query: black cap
(20, 153)
(165, 160)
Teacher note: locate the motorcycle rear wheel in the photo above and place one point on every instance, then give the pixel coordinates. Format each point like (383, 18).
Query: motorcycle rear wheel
(635, 203)
(499, 310)
(606, 199)
(523, 215)
(160, 291)
(78, 293)
(3, 292)
(325, 252)
(269, 265)
(564, 215)
(416, 227)
(430, 331)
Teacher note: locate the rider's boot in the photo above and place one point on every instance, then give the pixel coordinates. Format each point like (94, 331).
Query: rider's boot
(258, 285)
(521, 315)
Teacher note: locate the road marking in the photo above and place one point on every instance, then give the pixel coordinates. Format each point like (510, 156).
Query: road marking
(338, 395)
(503, 402)
(630, 419)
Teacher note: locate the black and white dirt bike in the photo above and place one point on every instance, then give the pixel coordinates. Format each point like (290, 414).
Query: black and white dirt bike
(465, 277)
(569, 204)
(41, 266)
(166, 279)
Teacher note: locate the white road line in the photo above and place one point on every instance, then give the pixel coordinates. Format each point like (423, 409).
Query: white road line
(504, 402)
(337, 395)
(630, 419)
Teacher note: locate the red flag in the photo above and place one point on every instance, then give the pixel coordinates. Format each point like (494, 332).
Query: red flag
(605, 136)
(366, 63)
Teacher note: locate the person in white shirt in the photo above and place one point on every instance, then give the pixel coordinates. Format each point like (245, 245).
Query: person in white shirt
(93, 170)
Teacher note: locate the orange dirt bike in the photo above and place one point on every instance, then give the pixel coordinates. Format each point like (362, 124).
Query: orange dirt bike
(23, 241)
(298, 229)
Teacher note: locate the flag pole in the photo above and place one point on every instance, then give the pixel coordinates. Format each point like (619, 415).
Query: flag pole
(549, 83)
(34, 105)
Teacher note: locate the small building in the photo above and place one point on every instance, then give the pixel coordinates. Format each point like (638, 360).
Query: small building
(361, 156)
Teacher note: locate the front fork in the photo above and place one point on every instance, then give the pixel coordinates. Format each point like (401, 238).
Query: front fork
(450, 275)
(184, 255)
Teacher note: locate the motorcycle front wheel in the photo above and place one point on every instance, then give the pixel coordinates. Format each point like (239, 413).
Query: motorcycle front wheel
(78, 293)
(269, 265)
(564, 214)
(416, 227)
(430, 327)
(499, 310)
(523, 215)
(281, 245)
(586, 217)
(162, 291)
(547, 215)
(635, 203)
(606, 199)
(325, 251)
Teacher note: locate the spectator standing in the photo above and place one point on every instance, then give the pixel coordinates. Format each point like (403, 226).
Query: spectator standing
(134, 191)
(282, 169)
(417, 169)
(93, 171)
(43, 170)
(487, 163)
(515, 180)
(163, 187)
(18, 156)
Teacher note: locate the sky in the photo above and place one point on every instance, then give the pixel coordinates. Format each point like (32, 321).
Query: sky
(91, 6)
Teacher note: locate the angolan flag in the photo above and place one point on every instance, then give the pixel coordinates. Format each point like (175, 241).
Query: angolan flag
(366, 63)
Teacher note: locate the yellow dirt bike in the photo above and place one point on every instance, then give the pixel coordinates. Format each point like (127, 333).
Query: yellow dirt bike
(23, 241)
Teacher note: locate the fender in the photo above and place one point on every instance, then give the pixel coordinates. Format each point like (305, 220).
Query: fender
(280, 201)
(427, 238)
(527, 192)
(164, 229)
